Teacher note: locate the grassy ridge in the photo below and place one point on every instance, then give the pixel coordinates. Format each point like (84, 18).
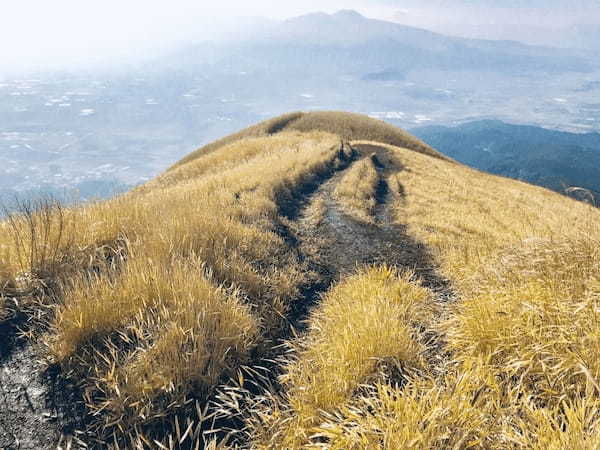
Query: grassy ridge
(262, 129)
(158, 296)
(204, 279)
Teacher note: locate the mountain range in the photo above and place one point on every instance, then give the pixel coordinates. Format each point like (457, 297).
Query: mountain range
(347, 37)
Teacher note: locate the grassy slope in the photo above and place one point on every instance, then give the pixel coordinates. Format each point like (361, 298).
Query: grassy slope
(171, 289)
(205, 280)
(524, 338)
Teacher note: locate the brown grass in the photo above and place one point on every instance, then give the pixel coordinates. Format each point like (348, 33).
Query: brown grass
(524, 338)
(206, 278)
(527, 265)
(261, 129)
(466, 410)
(357, 127)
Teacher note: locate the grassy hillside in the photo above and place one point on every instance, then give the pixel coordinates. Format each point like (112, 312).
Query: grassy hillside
(318, 280)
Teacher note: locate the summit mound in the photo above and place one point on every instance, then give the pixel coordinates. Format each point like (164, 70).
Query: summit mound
(348, 126)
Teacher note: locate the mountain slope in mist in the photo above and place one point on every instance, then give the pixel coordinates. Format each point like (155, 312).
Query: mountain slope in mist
(554, 159)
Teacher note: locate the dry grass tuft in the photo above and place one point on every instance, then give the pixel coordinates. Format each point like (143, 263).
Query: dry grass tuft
(363, 326)
(356, 191)
(184, 334)
(466, 410)
(40, 234)
(537, 320)
(421, 415)
(572, 424)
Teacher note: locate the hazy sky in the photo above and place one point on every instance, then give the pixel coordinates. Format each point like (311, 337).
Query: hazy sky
(550, 22)
(54, 33)
(42, 32)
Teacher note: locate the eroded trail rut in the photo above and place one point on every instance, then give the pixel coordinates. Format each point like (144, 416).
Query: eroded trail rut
(336, 244)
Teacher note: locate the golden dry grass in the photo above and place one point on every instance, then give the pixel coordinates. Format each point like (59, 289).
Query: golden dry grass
(469, 217)
(166, 292)
(348, 126)
(526, 332)
(363, 326)
(537, 320)
(266, 128)
(204, 278)
(355, 127)
(527, 263)
(465, 410)
(524, 366)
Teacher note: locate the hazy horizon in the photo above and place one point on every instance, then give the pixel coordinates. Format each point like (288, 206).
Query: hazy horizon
(67, 34)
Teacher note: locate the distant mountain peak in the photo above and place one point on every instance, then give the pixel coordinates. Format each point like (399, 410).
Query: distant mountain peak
(348, 14)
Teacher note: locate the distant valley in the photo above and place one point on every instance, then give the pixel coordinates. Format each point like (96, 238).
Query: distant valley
(549, 158)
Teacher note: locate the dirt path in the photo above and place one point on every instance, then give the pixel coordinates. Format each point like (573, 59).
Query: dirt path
(334, 244)
(337, 244)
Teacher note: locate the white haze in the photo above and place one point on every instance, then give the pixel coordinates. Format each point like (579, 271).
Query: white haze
(41, 34)
(559, 23)
(45, 35)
